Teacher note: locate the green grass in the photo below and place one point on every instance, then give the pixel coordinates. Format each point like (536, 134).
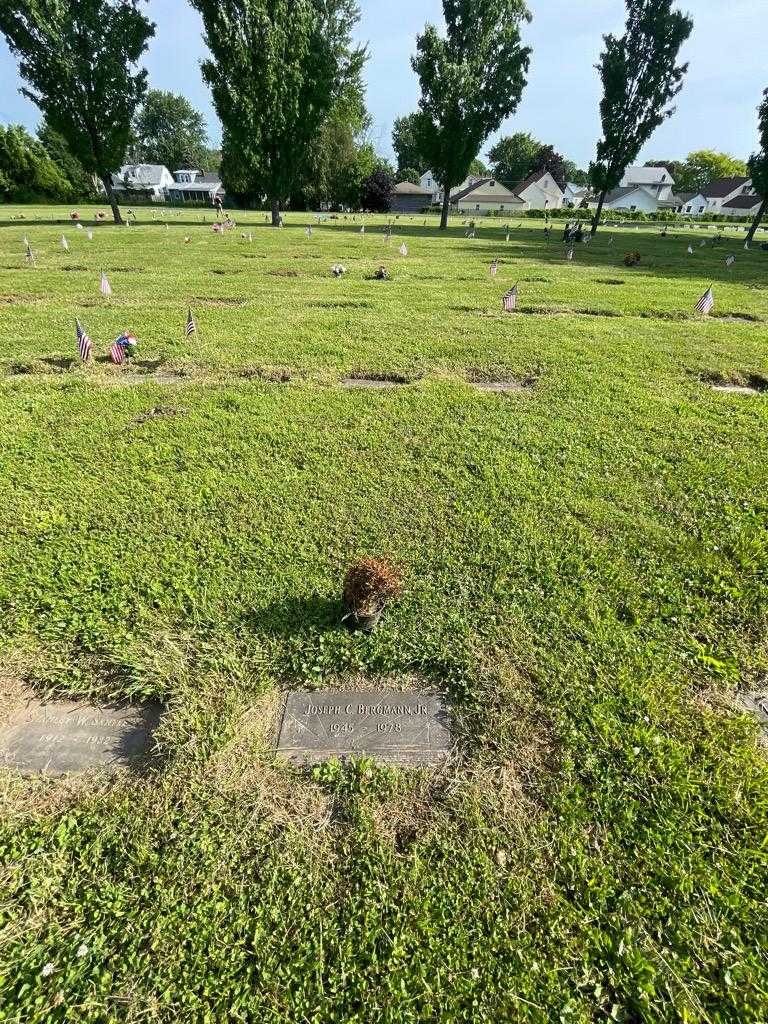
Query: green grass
(585, 566)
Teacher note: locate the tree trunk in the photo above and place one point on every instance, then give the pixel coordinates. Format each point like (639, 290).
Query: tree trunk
(598, 211)
(756, 222)
(275, 212)
(106, 181)
(446, 207)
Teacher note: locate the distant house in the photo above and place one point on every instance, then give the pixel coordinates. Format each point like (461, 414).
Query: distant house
(695, 204)
(539, 191)
(192, 186)
(486, 195)
(143, 181)
(429, 184)
(722, 190)
(742, 206)
(657, 181)
(409, 198)
(682, 200)
(632, 198)
(574, 195)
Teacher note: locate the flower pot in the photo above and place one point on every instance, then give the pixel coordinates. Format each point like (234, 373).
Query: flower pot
(366, 623)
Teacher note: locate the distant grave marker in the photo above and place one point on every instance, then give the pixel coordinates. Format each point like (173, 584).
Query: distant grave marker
(65, 737)
(390, 726)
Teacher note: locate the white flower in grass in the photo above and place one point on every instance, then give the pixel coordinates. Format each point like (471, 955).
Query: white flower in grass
(475, 973)
(47, 970)
(82, 950)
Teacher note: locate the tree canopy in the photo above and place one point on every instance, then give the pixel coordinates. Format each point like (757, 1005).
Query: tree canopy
(640, 78)
(704, 166)
(27, 172)
(406, 144)
(79, 59)
(471, 79)
(277, 67)
(83, 184)
(168, 130)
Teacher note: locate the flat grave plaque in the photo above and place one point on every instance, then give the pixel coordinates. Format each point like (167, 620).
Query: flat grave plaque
(389, 726)
(65, 737)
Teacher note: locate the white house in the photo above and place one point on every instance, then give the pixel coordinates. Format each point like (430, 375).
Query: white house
(429, 182)
(574, 195)
(743, 205)
(152, 179)
(540, 191)
(696, 204)
(194, 186)
(486, 195)
(722, 190)
(657, 181)
(632, 198)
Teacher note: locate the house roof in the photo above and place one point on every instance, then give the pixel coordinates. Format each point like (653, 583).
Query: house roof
(577, 189)
(722, 187)
(742, 203)
(521, 186)
(195, 186)
(621, 193)
(407, 188)
(210, 177)
(475, 190)
(146, 174)
(685, 197)
(648, 176)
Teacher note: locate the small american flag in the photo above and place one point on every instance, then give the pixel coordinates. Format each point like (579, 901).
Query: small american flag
(730, 260)
(403, 249)
(308, 232)
(746, 246)
(610, 240)
(494, 268)
(569, 254)
(509, 302)
(105, 287)
(84, 343)
(30, 256)
(690, 250)
(117, 353)
(362, 229)
(706, 303)
(507, 237)
(472, 233)
(64, 244)
(191, 327)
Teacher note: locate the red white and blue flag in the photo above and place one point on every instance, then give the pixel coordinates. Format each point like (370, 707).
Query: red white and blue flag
(117, 353)
(509, 302)
(105, 287)
(191, 327)
(84, 343)
(706, 303)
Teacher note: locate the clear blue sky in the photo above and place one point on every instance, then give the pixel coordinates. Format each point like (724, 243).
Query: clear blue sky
(716, 109)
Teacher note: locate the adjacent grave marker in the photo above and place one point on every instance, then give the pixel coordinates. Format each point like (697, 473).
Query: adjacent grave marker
(63, 737)
(391, 726)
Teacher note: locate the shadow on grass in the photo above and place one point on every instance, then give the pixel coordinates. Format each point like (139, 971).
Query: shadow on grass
(295, 615)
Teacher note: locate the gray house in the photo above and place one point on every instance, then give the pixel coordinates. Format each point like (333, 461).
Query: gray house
(409, 198)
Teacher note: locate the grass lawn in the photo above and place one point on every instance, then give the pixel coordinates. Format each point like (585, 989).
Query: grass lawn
(585, 566)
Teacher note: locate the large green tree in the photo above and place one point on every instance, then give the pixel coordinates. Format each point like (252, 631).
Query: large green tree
(471, 79)
(406, 144)
(707, 165)
(276, 69)
(512, 156)
(168, 130)
(79, 58)
(758, 166)
(27, 172)
(640, 77)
